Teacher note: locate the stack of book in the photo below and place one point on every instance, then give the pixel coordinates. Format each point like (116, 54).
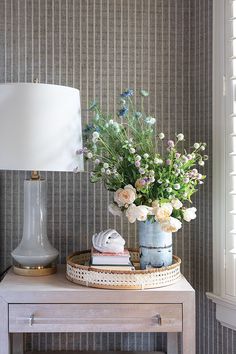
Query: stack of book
(111, 261)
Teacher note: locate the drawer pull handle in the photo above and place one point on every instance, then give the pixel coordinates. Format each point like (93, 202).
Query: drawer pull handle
(158, 319)
(31, 320)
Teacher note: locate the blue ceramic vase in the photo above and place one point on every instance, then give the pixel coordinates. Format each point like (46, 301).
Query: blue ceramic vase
(155, 245)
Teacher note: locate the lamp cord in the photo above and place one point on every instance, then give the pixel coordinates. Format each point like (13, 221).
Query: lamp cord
(2, 275)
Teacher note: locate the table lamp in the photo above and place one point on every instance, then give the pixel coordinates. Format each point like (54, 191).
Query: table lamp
(40, 130)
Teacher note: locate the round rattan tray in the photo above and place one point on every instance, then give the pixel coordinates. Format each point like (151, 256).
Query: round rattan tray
(78, 272)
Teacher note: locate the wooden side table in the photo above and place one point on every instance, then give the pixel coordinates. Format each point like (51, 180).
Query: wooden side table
(53, 304)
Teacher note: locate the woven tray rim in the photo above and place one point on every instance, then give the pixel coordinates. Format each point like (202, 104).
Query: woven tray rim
(134, 250)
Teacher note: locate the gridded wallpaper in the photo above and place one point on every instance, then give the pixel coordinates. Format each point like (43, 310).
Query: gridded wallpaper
(102, 47)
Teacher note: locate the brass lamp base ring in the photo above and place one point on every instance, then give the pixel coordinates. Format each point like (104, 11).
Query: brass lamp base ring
(34, 271)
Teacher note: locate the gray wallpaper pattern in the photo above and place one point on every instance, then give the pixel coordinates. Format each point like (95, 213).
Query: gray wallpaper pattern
(102, 47)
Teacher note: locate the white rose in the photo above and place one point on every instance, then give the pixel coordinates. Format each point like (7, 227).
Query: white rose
(125, 196)
(176, 203)
(163, 212)
(131, 213)
(114, 209)
(189, 214)
(171, 225)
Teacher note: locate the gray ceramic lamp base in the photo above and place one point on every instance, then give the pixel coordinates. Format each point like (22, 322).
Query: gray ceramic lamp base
(35, 250)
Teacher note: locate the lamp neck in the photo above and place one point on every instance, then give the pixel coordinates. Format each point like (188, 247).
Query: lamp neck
(35, 175)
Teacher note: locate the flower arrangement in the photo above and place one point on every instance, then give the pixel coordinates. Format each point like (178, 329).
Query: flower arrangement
(126, 156)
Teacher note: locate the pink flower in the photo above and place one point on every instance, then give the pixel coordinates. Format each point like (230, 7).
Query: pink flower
(170, 143)
(140, 183)
(125, 196)
(168, 162)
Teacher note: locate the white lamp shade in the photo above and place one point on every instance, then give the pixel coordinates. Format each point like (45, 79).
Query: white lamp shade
(40, 127)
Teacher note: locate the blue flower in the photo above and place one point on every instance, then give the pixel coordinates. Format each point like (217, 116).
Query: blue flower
(89, 127)
(127, 93)
(123, 111)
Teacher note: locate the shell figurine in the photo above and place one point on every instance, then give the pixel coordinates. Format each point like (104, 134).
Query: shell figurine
(108, 241)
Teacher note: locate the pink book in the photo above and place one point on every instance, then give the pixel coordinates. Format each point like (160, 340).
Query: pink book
(102, 258)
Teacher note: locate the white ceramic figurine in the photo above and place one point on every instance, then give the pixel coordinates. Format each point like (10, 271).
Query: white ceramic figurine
(108, 241)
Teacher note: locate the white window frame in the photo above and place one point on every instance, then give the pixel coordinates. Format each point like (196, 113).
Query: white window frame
(225, 304)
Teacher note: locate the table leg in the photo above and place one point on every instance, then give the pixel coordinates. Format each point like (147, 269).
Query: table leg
(188, 334)
(4, 334)
(17, 343)
(172, 343)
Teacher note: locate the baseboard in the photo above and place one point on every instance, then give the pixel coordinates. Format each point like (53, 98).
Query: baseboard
(93, 352)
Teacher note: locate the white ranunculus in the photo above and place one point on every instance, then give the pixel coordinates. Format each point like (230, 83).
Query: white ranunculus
(189, 214)
(155, 203)
(142, 211)
(116, 126)
(150, 120)
(201, 163)
(163, 212)
(114, 209)
(176, 203)
(180, 136)
(131, 213)
(95, 135)
(171, 225)
(139, 213)
(161, 136)
(125, 196)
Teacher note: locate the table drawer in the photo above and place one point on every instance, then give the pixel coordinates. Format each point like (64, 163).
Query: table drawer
(95, 318)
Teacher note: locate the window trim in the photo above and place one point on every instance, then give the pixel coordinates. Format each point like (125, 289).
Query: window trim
(225, 305)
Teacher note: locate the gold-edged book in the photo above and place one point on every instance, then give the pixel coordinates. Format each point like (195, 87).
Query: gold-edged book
(114, 267)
